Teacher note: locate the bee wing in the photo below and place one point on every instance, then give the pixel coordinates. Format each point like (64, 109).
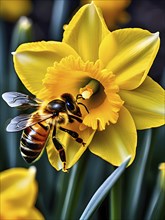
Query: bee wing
(23, 121)
(17, 99)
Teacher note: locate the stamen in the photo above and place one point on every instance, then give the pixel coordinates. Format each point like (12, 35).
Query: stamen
(89, 89)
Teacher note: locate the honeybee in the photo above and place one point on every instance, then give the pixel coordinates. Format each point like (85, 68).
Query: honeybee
(38, 125)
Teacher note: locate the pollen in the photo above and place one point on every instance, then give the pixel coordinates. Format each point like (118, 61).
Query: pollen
(89, 89)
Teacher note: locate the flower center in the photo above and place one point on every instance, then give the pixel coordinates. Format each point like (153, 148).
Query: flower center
(91, 88)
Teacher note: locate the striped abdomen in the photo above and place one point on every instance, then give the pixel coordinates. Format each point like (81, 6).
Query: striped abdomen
(33, 141)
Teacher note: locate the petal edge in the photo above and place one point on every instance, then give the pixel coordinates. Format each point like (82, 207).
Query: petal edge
(117, 141)
(146, 104)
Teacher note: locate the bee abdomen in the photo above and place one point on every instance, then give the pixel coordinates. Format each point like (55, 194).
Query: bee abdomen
(33, 141)
(30, 150)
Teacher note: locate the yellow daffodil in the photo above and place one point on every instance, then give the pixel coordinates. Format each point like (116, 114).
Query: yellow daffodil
(11, 10)
(109, 69)
(113, 11)
(18, 194)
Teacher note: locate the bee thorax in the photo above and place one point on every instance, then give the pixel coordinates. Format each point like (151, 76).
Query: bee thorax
(62, 118)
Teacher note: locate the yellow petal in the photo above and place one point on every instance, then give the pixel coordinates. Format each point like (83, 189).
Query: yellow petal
(146, 104)
(103, 114)
(73, 149)
(31, 61)
(137, 49)
(20, 213)
(108, 49)
(117, 141)
(86, 31)
(16, 185)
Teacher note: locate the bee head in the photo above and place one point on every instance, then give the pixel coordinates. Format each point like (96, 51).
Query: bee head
(71, 104)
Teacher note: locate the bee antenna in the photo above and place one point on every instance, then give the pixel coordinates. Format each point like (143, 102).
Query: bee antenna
(79, 103)
(79, 96)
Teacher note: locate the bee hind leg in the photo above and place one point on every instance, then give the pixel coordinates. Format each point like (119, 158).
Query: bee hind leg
(60, 150)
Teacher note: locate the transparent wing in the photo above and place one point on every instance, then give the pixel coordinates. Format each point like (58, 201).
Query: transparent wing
(23, 101)
(23, 121)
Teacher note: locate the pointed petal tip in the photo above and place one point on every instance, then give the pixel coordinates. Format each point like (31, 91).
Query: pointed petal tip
(13, 53)
(154, 37)
(156, 34)
(91, 3)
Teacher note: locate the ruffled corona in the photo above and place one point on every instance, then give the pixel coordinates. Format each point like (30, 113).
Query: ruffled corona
(105, 104)
(98, 85)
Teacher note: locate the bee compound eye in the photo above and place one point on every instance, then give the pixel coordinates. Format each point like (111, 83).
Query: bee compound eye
(70, 106)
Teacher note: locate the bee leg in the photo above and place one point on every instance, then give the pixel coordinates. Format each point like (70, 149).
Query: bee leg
(60, 149)
(73, 117)
(74, 135)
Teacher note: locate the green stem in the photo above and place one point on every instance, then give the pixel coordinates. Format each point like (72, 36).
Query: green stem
(115, 201)
(74, 189)
(61, 189)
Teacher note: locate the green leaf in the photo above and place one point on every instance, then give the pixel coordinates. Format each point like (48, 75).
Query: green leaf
(103, 190)
(155, 210)
(3, 85)
(134, 196)
(61, 11)
(22, 32)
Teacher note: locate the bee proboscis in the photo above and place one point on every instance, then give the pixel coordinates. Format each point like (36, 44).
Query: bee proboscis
(38, 125)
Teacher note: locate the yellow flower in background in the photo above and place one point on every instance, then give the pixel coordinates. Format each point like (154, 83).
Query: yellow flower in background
(18, 194)
(11, 10)
(109, 69)
(113, 11)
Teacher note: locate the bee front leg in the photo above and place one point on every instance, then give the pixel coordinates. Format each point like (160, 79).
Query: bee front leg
(60, 149)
